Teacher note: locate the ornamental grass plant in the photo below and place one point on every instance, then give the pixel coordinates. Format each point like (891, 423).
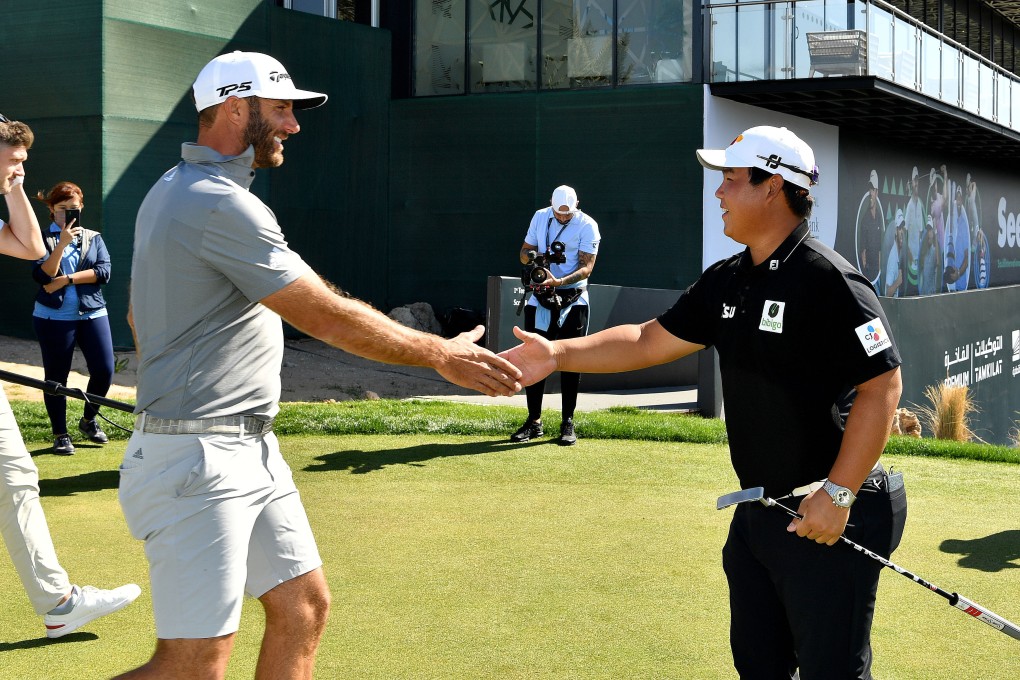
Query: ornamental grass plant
(950, 412)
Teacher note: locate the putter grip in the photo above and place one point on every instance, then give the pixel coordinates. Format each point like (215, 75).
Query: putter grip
(982, 614)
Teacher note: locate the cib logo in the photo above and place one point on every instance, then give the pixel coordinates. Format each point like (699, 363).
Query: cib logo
(234, 87)
(772, 316)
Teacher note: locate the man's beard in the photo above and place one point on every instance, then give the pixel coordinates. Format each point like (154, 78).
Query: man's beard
(259, 134)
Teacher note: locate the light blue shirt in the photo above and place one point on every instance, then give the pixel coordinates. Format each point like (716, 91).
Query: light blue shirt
(68, 311)
(580, 234)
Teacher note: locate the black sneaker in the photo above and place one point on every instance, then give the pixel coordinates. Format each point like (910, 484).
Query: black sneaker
(528, 430)
(567, 436)
(91, 429)
(62, 446)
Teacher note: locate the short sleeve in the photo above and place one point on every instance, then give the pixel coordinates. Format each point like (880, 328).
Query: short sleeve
(244, 242)
(690, 318)
(538, 222)
(863, 332)
(590, 238)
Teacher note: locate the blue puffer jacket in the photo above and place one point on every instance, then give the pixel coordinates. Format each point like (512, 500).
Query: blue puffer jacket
(94, 256)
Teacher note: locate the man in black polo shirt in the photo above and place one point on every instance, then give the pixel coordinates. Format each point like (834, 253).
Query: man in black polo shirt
(801, 336)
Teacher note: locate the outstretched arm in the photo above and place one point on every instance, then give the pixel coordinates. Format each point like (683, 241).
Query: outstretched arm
(613, 350)
(313, 307)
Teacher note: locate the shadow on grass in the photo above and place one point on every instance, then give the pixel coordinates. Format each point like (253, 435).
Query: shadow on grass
(45, 641)
(99, 480)
(991, 553)
(79, 448)
(361, 462)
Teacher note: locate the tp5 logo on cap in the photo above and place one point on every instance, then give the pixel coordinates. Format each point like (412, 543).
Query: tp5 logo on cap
(772, 316)
(873, 337)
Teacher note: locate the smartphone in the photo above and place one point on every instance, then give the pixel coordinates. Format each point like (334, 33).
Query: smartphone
(72, 214)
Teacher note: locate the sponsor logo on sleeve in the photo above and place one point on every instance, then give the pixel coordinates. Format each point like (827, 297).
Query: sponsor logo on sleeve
(772, 317)
(873, 337)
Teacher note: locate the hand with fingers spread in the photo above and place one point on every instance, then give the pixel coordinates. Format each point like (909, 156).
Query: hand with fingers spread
(534, 357)
(468, 365)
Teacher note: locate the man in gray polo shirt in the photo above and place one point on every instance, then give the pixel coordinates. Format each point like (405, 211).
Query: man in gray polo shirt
(203, 482)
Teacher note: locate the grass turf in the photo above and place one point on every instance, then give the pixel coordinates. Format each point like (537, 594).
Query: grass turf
(453, 556)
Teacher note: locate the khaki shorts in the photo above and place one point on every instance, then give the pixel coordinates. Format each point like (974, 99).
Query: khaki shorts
(220, 517)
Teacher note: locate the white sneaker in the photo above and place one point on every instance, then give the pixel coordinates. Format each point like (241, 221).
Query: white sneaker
(92, 604)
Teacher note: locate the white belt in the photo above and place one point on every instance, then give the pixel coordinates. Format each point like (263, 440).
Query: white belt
(812, 487)
(239, 425)
(804, 490)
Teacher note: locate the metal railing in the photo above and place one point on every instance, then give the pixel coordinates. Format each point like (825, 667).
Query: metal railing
(773, 40)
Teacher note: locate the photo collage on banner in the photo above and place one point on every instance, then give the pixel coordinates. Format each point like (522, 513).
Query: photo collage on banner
(916, 225)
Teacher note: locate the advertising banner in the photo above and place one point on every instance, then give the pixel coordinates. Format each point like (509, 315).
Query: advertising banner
(938, 237)
(968, 339)
(920, 223)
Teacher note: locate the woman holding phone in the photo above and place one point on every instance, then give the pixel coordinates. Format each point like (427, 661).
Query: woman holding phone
(70, 310)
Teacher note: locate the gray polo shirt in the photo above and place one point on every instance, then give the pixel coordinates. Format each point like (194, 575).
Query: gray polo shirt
(206, 251)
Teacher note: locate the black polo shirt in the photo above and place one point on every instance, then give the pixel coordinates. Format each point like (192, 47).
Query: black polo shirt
(795, 334)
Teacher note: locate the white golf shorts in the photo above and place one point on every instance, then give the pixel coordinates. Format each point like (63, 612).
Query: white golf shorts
(220, 517)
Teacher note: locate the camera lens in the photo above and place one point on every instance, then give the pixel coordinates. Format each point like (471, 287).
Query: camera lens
(538, 275)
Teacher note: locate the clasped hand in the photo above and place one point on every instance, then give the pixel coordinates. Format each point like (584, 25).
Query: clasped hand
(823, 521)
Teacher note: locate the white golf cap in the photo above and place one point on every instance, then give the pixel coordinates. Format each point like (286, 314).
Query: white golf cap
(249, 74)
(874, 179)
(773, 149)
(564, 196)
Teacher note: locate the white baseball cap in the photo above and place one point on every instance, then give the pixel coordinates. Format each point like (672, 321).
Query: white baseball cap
(249, 74)
(773, 149)
(564, 196)
(874, 179)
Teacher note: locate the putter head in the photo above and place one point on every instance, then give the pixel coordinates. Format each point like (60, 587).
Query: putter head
(756, 493)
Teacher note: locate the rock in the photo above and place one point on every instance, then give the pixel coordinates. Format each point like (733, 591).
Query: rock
(419, 316)
(905, 422)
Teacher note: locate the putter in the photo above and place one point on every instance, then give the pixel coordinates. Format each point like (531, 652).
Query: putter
(955, 599)
(53, 387)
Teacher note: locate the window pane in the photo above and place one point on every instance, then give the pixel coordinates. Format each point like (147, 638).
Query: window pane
(309, 6)
(438, 47)
(590, 45)
(654, 41)
(557, 30)
(502, 38)
(722, 23)
(931, 65)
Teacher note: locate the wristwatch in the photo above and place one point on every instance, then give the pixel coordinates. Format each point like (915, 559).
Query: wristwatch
(841, 496)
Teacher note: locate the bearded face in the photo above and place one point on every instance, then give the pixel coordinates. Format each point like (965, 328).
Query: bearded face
(261, 135)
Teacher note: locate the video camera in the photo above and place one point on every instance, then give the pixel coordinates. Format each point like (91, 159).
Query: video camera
(536, 271)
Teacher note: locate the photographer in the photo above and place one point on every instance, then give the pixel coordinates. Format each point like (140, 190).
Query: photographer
(559, 255)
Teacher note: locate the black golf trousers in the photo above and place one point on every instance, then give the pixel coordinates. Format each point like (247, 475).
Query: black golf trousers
(795, 603)
(574, 326)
